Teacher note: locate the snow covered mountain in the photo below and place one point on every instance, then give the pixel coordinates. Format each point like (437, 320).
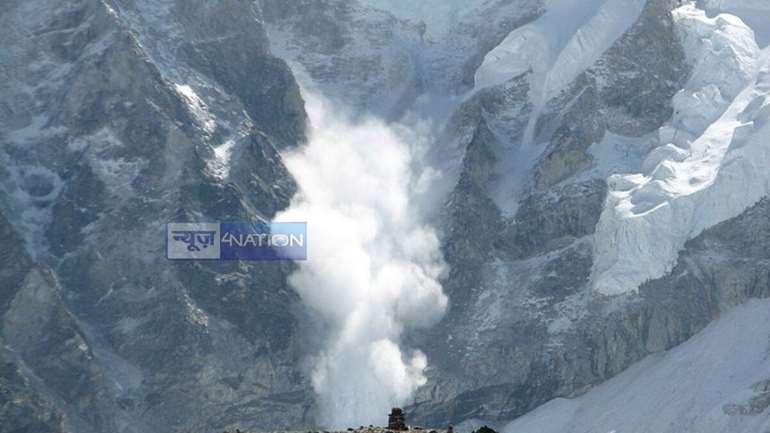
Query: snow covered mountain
(586, 180)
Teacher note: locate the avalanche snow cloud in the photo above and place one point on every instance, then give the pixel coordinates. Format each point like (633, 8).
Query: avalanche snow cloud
(373, 267)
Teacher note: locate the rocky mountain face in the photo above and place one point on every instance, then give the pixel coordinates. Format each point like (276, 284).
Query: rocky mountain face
(118, 117)
(602, 198)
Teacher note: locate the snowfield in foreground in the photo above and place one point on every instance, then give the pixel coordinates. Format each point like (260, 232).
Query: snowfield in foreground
(717, 382)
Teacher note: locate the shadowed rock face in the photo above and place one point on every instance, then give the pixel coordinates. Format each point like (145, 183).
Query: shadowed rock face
(22, 408)
(110, 119)
(628, 92)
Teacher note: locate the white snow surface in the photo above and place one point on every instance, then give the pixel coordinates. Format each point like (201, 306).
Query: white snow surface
(197, 107)
(223, 154)
(756, 13)
(696, 387)
(710, 164)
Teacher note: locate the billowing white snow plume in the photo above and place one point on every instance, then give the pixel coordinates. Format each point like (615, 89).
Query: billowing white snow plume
(710, 165)
(373, 267)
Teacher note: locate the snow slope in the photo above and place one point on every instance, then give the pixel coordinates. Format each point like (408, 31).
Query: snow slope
(706, 385)
(756, 13)
(710, 164)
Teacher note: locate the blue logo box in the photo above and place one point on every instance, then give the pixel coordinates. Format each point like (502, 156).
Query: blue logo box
(236, 241)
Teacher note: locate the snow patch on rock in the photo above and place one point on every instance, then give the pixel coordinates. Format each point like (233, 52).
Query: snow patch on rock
(197, 107)
(220, 164)
(117, 173)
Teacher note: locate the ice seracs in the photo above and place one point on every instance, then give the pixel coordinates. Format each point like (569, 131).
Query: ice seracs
(756, 13)
(708, 166)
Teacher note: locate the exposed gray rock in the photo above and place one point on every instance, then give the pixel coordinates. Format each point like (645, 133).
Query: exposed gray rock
(628, 92)
(118, 109)
(614, 333)
(22, 407)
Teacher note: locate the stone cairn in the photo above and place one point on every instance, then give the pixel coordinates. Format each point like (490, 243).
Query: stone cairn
(397, 420)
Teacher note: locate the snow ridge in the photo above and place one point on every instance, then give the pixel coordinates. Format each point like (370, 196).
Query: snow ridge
(756, 13)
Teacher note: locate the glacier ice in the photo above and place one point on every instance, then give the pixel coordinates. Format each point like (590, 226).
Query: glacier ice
(556, 48)
(699, 175)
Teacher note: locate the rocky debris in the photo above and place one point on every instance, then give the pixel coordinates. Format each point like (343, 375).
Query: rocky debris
(756, 405)
(396, 423)
(21, 407)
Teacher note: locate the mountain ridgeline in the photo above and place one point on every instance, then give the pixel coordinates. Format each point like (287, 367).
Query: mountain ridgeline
(593, 174)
